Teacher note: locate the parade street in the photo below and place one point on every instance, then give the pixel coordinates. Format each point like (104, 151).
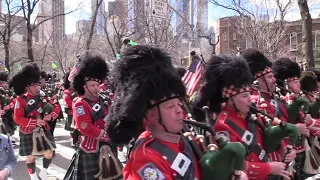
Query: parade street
(60, 162)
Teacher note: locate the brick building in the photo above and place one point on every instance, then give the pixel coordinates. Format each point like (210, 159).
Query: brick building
(291, 44)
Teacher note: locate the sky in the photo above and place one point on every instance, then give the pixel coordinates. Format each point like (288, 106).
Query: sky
(293, 13)
(83, 10)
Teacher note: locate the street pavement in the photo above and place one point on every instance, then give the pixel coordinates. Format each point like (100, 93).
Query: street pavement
(60, 162)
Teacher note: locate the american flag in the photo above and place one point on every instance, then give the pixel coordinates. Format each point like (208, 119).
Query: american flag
(193, 77)
(74, 70)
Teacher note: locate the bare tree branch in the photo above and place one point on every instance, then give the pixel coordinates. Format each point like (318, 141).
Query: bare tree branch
(93, 22)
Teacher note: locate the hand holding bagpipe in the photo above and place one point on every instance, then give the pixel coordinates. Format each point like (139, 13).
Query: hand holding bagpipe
(106, 96)
(295, 105)
(274, 134)
(48, 109)
(220, 159)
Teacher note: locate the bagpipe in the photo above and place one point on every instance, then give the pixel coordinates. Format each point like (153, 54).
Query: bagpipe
(273, 135)
(275, 130)
(107, 97)
(296, 104)
(41, 143)
(219, 159)
(109, 165)
(4, 125)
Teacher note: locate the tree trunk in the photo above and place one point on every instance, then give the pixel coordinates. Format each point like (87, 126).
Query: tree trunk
(29, 42)
(93, 22)
(7, 55)
(307, 50)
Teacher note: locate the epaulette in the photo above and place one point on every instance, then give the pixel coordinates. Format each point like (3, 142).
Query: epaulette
(222, 117)
(141, 143)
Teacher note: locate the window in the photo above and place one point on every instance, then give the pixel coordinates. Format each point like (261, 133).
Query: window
(248, 43)
(317, 39)
(234, 36)
(224, 36)
(293, 41)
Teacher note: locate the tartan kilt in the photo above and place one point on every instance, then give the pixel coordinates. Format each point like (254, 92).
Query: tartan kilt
(87, 167)
(9, 123)
(68, 123)
(26, 142)
(6, 128)
(84, 166)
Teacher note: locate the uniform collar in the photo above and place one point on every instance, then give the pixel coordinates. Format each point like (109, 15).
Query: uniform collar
(232, 112)
(165, 136)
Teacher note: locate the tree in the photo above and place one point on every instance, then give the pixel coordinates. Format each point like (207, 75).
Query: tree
(28, 9)
(162, 32)
(307, 49)
(10, 22)
(65, 57)
(142, 28)
(259, 24)
(117, 27)
(93, 22)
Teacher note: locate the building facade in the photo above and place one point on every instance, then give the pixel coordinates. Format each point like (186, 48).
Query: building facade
(231, 38)
(101, 17)
(52, 30)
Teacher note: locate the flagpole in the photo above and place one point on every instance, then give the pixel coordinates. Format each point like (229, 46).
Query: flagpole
(202, 60)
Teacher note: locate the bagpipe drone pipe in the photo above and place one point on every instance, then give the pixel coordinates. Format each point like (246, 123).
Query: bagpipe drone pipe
(219, 159)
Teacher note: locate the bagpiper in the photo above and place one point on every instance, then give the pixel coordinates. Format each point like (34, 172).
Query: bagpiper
(6, 108)
(96, 156)
(311, 161)
(264, 94)
(51, 93)
(227, 92)
(149, 109)
(68, 96)
(149, 89)
(288, 75)
(32, 112)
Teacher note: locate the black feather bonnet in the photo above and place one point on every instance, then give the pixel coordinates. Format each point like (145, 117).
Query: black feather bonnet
(144, 74)
(259, 64)
(28, 76)
(285, 70)
(309, 81)
(225, 76)
(92, 68)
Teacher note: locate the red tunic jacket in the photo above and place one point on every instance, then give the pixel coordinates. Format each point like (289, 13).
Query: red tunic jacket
(93, 130)
(147, 160)
(28, 123)
(267, 103)
(67, 97)
(254, 167)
